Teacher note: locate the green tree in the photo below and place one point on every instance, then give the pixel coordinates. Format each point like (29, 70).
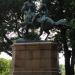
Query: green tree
(62, 69)
(10, 14)
(72, 38)
(64, 9)
(5, 66)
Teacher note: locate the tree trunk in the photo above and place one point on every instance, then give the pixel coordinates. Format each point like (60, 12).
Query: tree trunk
(67, 53)
(73, 58)
(72, 37)
(72, 65)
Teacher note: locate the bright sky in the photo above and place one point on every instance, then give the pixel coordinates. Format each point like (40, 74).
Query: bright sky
(4, 55)
(61, 59)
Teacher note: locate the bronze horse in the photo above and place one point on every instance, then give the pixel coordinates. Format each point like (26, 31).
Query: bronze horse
(44, 25)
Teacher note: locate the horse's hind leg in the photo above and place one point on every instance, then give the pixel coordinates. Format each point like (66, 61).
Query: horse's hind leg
(47, 37)
(41, 31)
(47, 34)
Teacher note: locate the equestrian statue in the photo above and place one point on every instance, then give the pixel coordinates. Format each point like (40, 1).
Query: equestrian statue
(34, 19)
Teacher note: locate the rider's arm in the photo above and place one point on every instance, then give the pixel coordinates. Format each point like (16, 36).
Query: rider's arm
(24, 7)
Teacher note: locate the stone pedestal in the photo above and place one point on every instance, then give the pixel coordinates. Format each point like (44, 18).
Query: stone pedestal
(37, 58)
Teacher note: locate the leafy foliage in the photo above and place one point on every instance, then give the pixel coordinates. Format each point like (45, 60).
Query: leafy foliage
(10, 15)
(5, 66)
(62, 69)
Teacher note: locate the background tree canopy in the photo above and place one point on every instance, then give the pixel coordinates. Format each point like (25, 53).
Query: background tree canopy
(11, 15)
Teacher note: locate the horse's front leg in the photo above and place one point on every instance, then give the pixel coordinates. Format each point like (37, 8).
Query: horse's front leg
(47, 37)
(24, 31)
(41, 29)
(47, 31)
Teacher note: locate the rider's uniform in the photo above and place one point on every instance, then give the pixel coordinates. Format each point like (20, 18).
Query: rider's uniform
(44, 12)
(28, 10)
